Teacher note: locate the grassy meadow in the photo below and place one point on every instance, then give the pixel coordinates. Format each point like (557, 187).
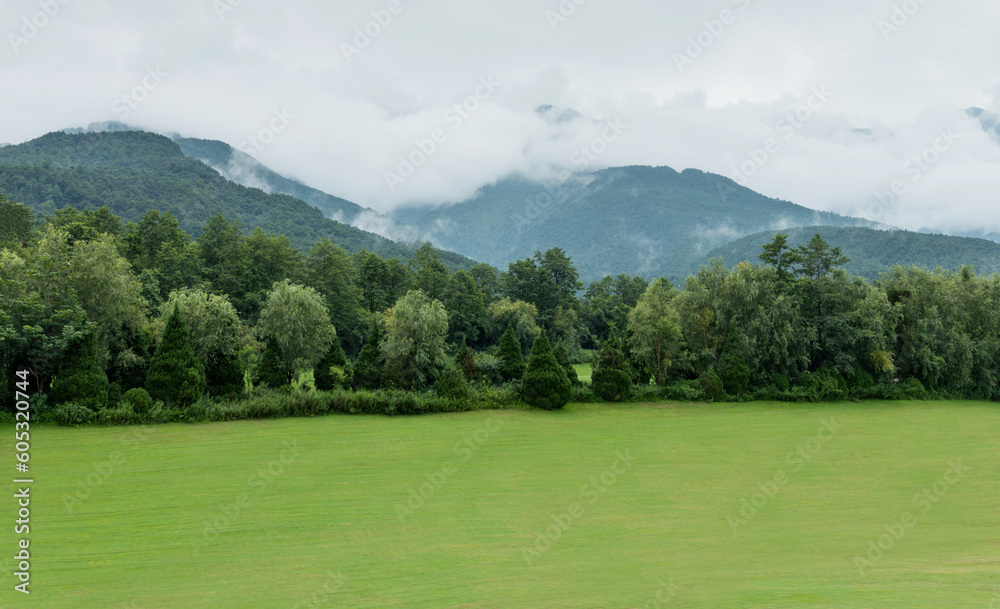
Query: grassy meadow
(597, 506)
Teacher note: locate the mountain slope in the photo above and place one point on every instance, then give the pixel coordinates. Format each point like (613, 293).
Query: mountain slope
(873, 252)
(650, 221)
(133, 171)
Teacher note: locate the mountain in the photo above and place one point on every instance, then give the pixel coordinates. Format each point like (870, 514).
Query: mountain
(649, 221)
(133, 171)
(873, 252)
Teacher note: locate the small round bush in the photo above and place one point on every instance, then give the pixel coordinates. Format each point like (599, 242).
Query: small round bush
(452, 385)
(140, 400)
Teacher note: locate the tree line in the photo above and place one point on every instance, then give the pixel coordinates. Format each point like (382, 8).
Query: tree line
(89, 301)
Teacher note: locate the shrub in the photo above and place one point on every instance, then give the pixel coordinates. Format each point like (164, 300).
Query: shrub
(139, 399)
(512, 362)
(452, 385)
(175, 376)
(71, 413)
(611, 379)
(545, 384)
(780, 382)
(80, 379)
(712, 388)
(488, 368)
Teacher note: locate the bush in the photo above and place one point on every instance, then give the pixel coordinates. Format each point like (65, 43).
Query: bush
(611, 379)
(488, 368)
(545, 384)
(122, 414)
(712, 388)
(71, 413)
(452, 385)
(175, 376)
(80, 379)
(780, 382)
(512, 362)
(139, 399)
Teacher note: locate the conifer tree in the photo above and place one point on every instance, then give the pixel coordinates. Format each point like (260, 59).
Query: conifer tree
(175, 377)
(512, 362)
(612, 380)
(562, 356)
(545, 385)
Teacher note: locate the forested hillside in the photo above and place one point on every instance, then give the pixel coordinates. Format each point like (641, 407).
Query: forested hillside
(873, 252)
(649, 221)
(131, 172)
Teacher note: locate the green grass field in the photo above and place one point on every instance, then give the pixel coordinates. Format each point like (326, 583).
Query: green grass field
(122, 517)
(583, 372)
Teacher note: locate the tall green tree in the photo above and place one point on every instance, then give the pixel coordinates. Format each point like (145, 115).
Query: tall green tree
(545, 384)
(175, 376)
(511, 361)
(296, 317)
(329, 271)
(654, 329)
(612, 378)
(466, 308)
(370, 363)
(414, 343)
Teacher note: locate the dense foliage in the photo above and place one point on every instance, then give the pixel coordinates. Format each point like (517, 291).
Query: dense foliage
(85, 296)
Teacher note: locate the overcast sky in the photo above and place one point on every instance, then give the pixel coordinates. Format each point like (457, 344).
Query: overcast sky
(703, 85)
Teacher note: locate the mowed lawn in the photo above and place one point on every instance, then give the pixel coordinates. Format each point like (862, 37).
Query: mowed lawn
(640, 499)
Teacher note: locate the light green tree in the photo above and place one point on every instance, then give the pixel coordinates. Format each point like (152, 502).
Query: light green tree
(654, 329)
(414, 343)
(296, 318)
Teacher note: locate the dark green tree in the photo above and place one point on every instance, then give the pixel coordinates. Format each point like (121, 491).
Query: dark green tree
(452, 384)
(612, 377)
(512, 362)
(175, 377)
(80, 378)
(545, 384)
(370, 364)
(780, 256)
(333, 372)
(16, 222)
(273, 370)
(732, 366)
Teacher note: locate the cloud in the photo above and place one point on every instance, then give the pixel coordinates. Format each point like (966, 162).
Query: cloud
(227, 72)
